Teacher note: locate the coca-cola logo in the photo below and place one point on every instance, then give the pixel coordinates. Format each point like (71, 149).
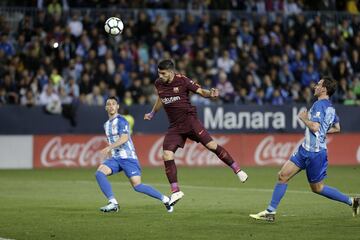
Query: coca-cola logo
(358, 155)
(192, 154)
(85, 154)
(269, 152)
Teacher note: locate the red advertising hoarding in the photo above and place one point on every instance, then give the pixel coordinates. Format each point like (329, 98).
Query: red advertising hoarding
(248, 149)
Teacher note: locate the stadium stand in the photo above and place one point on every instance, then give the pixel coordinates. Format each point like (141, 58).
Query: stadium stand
(261, 52)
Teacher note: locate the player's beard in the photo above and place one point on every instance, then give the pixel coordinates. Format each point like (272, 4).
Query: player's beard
(165, 80)
(112, 112)
(317, 93)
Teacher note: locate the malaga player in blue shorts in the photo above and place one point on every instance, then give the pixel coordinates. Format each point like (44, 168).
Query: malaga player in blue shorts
(312, 154)
(123, 158)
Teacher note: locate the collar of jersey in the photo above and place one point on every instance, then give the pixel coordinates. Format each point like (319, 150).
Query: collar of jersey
(117, 115)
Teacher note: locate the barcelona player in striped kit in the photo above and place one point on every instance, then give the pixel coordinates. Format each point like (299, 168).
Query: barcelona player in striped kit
(122, 158)
(312, 154)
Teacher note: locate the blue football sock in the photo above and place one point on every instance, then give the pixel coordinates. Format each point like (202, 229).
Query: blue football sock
(104, 184)
(336, 195)
(148, 190)
(278, 193)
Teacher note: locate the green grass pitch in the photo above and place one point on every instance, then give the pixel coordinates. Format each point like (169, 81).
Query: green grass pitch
(64, 204)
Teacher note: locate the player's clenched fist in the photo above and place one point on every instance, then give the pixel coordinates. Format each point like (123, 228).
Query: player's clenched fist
(303, 115)
(149, 116)
(214, 93)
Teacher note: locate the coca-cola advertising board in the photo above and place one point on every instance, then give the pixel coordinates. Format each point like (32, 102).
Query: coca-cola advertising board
(248, 149)
(68, 150)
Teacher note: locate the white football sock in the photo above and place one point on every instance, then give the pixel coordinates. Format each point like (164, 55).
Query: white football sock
(165, 199)
(113, 200)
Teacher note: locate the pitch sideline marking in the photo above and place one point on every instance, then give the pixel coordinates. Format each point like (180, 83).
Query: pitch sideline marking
(198, 187)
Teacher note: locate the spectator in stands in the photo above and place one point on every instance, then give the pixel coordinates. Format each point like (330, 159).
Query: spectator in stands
(54, 8)
(226, 89)
(261, 52)
(50, 100)
(309, 76)
(225, 62)
(277, 99)
(11, 95)
(286, 77)
(6, 46)
(95, 98)
(355, 61)
(128, 100)
(3, 97)
(72, 89)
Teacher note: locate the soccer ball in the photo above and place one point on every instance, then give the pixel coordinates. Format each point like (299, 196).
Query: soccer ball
(114, 26)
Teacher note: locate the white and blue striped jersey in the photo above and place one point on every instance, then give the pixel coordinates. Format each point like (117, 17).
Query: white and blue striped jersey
(324, 113)
(114, 128)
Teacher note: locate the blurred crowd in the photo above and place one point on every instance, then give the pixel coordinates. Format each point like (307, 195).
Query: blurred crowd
(55, 59)
(242, 5)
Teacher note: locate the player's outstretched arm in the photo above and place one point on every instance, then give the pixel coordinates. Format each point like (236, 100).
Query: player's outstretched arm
(212, 93)
(335, 128)
(155, 109)
(122, 139)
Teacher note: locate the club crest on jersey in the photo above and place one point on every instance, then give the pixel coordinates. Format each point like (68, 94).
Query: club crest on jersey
(176, 89)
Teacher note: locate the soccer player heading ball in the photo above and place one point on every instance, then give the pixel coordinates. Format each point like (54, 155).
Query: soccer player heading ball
(173, 93)
(312, 154)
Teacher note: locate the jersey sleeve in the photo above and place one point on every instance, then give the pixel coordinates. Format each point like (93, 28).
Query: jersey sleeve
(330, 116)
(317, 113)
(123, 126)
(191, 85)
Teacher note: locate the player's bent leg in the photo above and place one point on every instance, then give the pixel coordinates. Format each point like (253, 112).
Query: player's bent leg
(101, 177)
(316, 172)
(150, 191)
(334, 194)
(288, 170)
(224, 156)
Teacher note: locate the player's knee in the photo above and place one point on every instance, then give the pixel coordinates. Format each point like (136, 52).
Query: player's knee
(168, 155)
(103, 169)
(316, 188)
(283, 178)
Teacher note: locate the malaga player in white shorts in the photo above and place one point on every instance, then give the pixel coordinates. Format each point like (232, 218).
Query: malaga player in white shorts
(312, 154)
(123, 158)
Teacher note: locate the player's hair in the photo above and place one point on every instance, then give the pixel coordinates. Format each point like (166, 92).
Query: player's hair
(330, 85)
(166, 64)
(112, 98)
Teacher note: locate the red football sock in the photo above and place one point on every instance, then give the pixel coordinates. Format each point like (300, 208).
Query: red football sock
(171, 173)
(224, 156)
